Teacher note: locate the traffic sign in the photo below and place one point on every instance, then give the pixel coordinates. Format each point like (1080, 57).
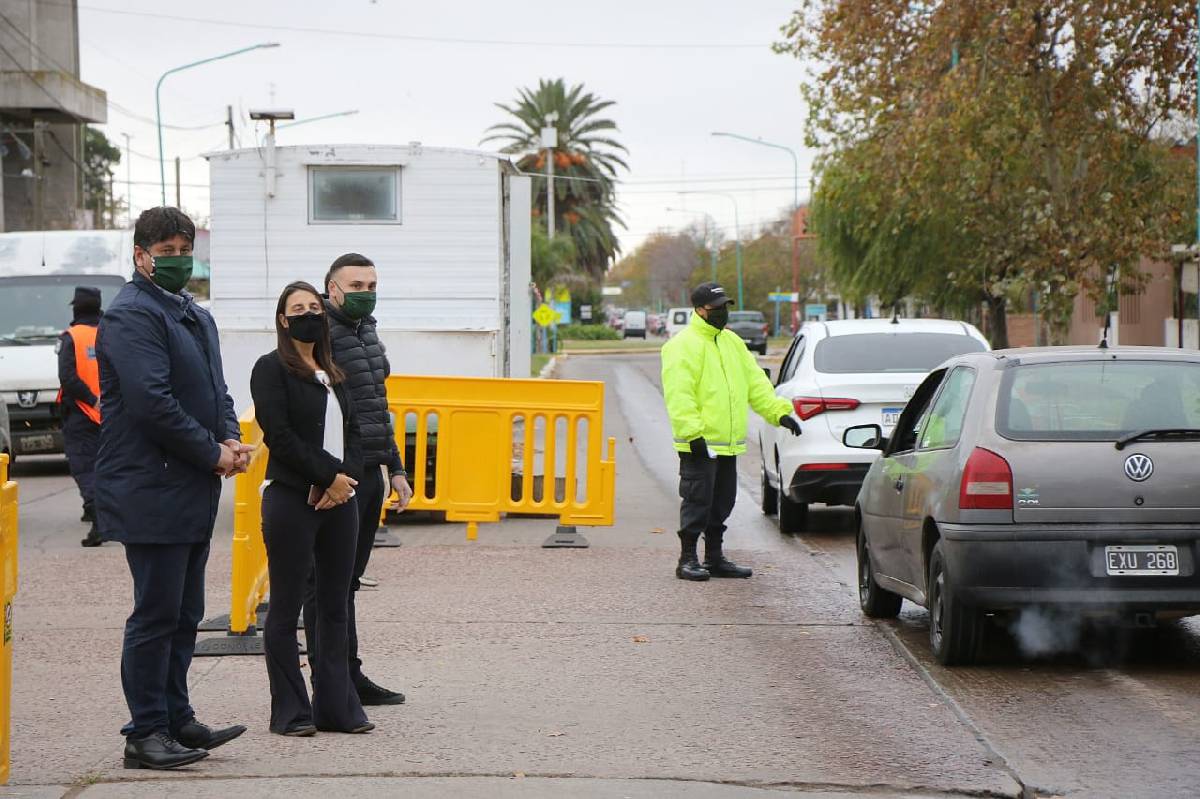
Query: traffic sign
(783, 296)
(545, 315)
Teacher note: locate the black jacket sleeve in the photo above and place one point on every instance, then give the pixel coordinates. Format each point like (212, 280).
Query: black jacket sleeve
(73, 388)
(269, 389)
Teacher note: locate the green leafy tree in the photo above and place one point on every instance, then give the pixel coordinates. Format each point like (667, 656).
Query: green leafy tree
(989, 149)
(549, 258)
(100, 156)
(586, 164)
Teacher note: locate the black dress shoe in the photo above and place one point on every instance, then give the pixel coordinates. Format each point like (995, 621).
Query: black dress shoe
(723, 567)
(93, 538)
(371, 694)
(159, 751)
(300, 731)
(195, 735)
(690, 569)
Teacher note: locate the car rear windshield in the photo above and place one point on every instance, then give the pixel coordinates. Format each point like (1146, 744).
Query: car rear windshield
(747, 316)
(890, 352)
(1097, 400)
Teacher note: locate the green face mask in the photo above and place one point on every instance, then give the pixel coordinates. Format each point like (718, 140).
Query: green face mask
(357, 304)
(172, 272)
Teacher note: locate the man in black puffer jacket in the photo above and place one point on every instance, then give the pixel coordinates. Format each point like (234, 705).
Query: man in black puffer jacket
(357, 350)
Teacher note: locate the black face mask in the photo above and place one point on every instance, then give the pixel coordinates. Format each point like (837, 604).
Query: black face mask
(306, 327)
(718, 317)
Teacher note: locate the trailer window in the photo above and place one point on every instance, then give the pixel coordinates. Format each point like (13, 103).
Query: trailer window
(346, 194)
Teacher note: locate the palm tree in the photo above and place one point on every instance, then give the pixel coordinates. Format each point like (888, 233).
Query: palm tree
(586, 162)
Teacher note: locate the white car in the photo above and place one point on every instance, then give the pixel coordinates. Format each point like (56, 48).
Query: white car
(841, 374)
(677, 319)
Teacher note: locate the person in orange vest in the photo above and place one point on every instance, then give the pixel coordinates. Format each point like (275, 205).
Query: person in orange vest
(79, 398)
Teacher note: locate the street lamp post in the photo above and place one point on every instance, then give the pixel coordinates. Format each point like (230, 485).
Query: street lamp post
(795, 206)
(712, 246)
(737, 235)
(162, 169)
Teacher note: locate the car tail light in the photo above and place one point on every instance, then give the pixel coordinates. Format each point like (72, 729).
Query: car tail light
(987, 482)
(808, 407)
(824, 467)
(766, 330)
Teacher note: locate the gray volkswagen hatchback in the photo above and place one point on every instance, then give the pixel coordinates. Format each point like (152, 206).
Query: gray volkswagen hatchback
(1065, 478)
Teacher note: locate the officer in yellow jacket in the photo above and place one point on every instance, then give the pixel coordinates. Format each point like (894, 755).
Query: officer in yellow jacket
(79, 398)
(709, 377)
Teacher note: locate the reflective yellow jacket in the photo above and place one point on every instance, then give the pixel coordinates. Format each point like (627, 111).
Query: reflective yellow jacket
(708, 378)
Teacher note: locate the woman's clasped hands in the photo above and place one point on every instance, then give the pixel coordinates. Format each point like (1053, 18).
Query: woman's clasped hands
(340, 491)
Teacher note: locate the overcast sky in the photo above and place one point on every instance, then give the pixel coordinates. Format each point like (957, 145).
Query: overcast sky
(677, 71)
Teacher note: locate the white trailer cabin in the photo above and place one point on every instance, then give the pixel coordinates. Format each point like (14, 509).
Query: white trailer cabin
(448, 230)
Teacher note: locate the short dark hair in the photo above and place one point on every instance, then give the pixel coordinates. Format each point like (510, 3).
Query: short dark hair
(162, 223)
(349, 259)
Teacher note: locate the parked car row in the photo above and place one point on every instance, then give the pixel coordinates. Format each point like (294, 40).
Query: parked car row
(988, 484)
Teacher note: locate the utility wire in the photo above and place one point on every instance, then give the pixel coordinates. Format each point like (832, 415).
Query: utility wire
(429, 39)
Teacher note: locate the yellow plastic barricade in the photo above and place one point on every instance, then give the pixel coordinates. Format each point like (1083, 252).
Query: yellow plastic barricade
(8, 562)
(248, 585)
(505, 446)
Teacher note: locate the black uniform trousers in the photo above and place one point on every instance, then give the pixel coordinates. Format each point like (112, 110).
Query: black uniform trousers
(160, 635)
(369, 495)
(302, 541)
(81, 440)
(708, 488)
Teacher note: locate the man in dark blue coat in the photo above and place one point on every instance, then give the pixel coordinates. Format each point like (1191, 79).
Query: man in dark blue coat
(168, 435)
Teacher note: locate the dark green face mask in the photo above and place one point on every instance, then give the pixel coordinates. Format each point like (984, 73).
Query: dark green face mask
(357, 304)
(171, 272)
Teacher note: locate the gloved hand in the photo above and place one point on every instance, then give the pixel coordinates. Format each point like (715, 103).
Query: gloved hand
(791, 424)
(699, 447)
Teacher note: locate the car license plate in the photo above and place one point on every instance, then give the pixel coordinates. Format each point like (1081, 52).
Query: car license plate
(891, 416)
(1152, 559)
(34, 444)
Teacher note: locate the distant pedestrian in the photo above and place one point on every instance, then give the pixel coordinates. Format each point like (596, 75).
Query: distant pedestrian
(79, 399)
(170, 433)
(351, 284)
(709, 378)
(310, 521)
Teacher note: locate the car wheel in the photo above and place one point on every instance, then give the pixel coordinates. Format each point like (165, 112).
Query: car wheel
(876, 602)
(793, 516)
(770, 496)
(955, 629)
(762, 350)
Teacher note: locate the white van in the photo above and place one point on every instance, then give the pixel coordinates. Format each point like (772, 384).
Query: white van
(677, 319)
(38, 274)
(635, 324)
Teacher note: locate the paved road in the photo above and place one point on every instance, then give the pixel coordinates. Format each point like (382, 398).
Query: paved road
(595, 673)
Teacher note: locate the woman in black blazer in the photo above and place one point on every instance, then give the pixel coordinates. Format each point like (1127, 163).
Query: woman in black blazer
(309, 522)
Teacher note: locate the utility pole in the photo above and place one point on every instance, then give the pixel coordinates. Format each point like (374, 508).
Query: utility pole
(550, 141)
(178, 202)
(229, 123)
(128, 178)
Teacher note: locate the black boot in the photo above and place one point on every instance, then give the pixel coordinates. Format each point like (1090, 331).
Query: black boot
(689, 567)
(93, 538)
(715, 561)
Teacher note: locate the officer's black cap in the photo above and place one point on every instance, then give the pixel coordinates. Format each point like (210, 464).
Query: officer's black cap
(709, 294)
(86, 297)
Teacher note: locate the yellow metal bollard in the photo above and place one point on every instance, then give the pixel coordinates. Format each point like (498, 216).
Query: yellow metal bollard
(8, 563)
(482, 434)
(248, 582)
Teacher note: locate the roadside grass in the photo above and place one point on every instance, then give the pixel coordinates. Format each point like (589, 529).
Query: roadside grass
(538, 363)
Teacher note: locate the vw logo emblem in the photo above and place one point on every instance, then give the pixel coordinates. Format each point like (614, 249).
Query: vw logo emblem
(1138, 467)
(27, 399)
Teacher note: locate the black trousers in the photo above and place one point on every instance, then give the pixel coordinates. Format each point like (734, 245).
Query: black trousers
(160, 635)
(708, 488)
(81, 439)
(369, 495)
(302, 541)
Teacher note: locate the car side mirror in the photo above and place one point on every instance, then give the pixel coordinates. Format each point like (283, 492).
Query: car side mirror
(864, 436)
(767, 372)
